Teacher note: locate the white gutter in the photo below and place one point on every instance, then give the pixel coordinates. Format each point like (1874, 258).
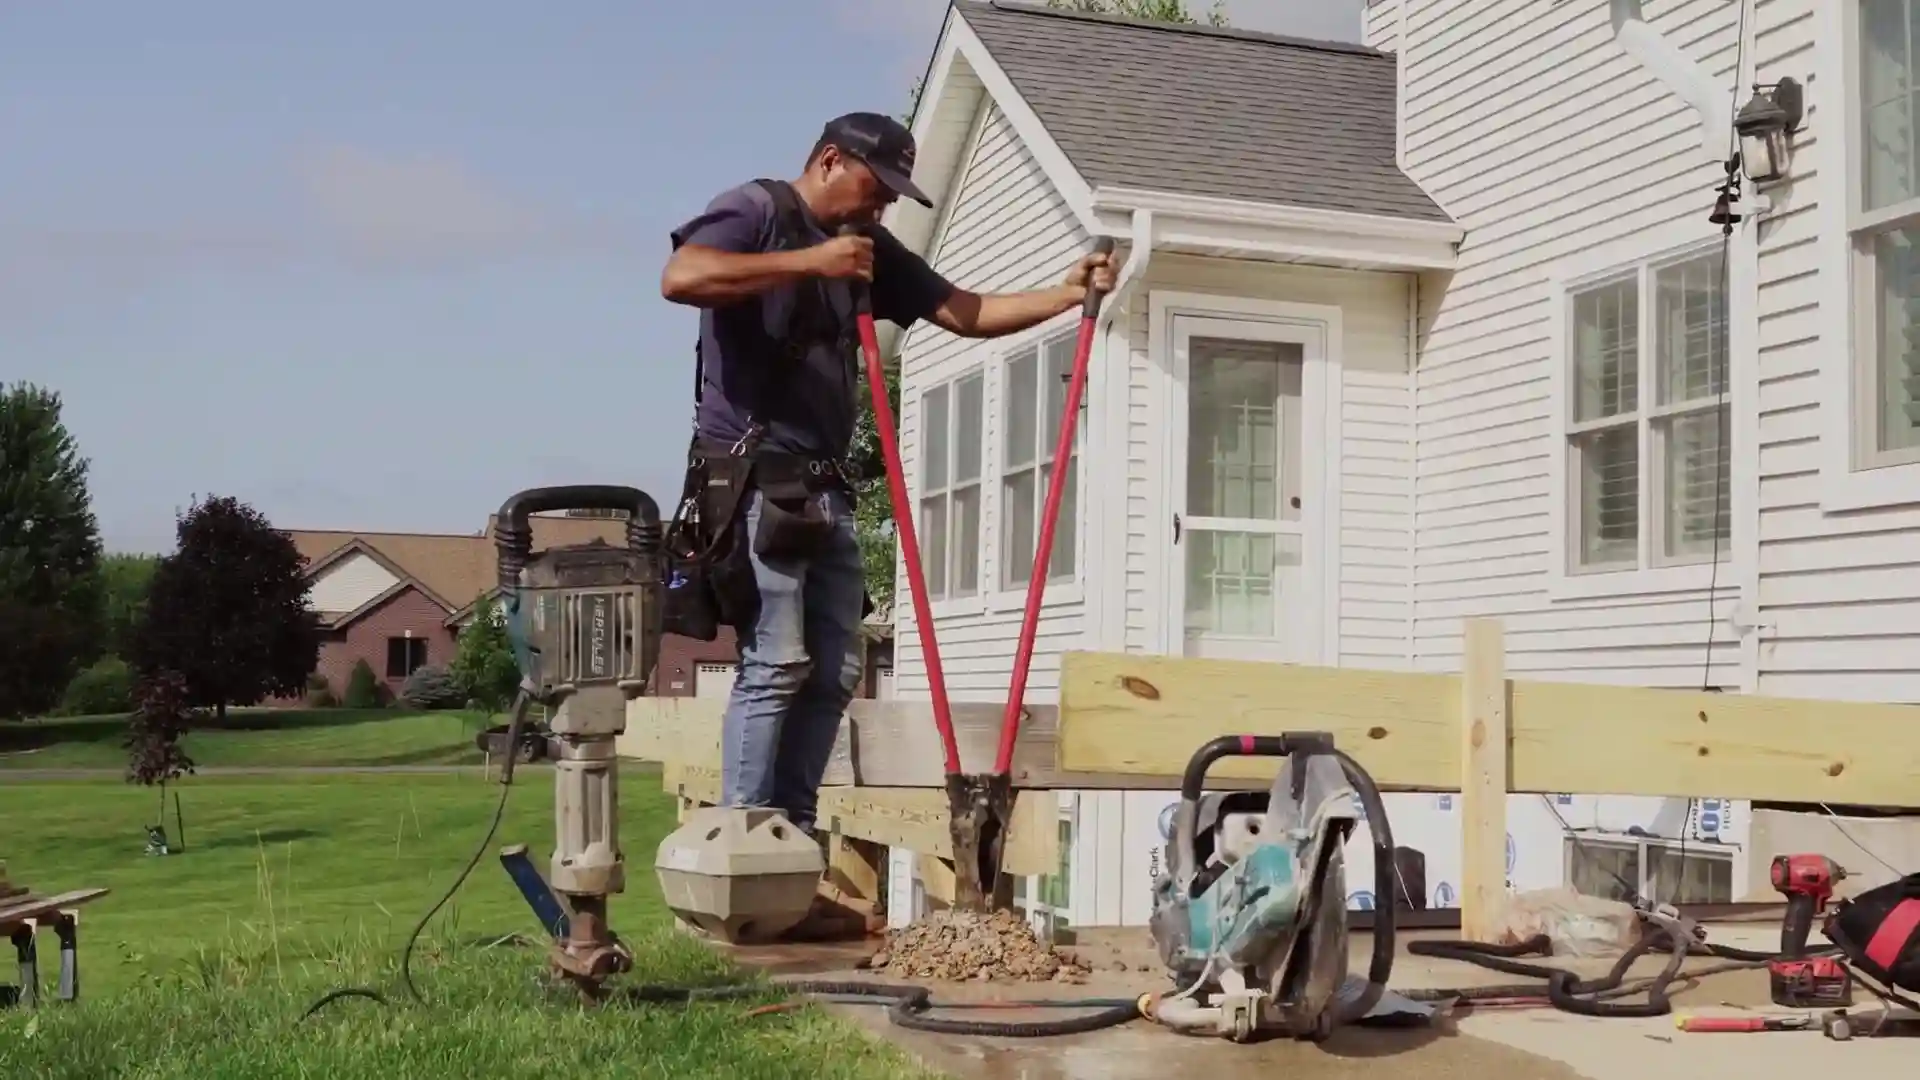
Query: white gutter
(1683, 75)
(1215, 210)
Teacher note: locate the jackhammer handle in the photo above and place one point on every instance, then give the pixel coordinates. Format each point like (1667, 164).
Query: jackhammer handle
(514, 539)
(1102, 245)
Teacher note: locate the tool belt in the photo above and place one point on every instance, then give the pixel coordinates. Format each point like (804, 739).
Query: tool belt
(1879, 931)
(710, 578)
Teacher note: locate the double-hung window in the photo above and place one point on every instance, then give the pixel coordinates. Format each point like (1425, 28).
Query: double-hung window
(1647, 424)
(1884, 227)
(952, 424)
(1032, 399)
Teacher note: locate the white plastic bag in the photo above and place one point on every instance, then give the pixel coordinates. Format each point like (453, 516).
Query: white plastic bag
(1577, 924)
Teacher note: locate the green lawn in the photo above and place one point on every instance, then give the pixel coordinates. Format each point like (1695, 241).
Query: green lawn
(199, 964)
(258, 737)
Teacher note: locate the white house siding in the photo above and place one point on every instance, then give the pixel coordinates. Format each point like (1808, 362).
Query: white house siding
(1380, 25)
(1376, 449)
(349, 583)
(1840, 592)
(1010, 230)
(1538, 134)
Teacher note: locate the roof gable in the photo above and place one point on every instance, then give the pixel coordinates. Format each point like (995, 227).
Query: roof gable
(452, 570)
(1195, 110)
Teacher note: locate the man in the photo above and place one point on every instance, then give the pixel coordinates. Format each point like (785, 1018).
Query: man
(778, 386)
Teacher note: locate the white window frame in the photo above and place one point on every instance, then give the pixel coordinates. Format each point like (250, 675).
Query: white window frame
(1643, 848)
(1009, 594)
(1051, 917)
(1853, 476)
(1650, 573)
(940, 591)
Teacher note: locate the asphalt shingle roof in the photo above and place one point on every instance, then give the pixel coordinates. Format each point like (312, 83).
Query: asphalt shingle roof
(1203, 111)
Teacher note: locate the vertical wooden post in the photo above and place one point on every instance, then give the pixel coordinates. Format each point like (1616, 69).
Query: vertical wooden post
(856, 868)
(1483, 779)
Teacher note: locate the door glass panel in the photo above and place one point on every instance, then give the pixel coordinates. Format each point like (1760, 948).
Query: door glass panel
(1237, 582)
(1243, 429)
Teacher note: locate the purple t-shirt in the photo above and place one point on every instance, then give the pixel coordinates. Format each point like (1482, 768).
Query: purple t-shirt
(809, 409)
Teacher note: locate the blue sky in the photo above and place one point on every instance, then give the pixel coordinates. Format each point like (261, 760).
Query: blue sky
(380, 266)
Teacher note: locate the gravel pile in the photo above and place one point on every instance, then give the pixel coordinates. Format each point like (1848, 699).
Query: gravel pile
(966, 946)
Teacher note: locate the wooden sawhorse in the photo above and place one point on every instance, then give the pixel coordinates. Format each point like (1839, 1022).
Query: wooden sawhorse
(20, 920)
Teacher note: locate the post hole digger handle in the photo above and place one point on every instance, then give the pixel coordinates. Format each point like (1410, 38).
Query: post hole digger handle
(1050, 516)
(903, 517)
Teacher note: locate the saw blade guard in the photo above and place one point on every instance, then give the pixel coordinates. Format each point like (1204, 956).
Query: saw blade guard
(1319, 794)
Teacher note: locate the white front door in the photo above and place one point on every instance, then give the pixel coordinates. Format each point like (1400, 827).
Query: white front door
(1246, 490)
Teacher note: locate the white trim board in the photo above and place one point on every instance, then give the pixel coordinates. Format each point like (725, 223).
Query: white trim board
(1276, 231)
(1842, 487)
(1322, 382)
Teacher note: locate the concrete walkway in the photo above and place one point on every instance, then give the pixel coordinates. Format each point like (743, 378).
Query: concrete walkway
(1487, 1044)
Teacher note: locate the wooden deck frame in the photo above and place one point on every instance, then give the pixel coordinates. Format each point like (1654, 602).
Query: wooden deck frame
(1131, 721)
(1484, 735)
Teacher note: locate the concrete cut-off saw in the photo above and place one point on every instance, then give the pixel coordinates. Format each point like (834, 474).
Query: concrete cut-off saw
(1249, 914)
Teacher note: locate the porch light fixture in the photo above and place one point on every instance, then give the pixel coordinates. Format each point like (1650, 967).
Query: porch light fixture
(1765, 125)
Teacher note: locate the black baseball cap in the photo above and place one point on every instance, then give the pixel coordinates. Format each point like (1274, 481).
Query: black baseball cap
(884, 144)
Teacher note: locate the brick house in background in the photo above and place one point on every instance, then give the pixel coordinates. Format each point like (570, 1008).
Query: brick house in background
(399, 601)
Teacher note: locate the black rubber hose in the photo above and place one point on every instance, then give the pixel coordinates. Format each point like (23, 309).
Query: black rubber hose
(1588, 997)
(911, 1004)
(1385, 879)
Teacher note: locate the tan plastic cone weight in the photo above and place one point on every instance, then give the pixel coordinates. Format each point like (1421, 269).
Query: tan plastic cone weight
(742, 876)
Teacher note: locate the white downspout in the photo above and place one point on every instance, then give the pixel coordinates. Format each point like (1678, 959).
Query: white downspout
(1108, 413)
(1681, 73)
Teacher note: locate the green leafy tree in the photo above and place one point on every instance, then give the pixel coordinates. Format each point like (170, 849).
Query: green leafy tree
(228, 610)
(1169, 11)
(483, 666)
(162, 716)
(49, 554)
(873, 517)
(124, 581)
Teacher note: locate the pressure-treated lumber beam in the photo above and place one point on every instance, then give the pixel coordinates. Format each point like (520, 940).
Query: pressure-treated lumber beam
(883, 743)
(1144, 715)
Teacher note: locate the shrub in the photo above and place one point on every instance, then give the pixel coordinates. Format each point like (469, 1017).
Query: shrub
(363, 690)
(430, 687)
(320, 692)
(104, 688)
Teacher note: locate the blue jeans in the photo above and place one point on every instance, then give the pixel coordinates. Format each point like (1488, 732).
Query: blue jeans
(800, 664)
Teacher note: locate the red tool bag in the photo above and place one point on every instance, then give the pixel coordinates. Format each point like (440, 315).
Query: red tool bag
(1879, 930)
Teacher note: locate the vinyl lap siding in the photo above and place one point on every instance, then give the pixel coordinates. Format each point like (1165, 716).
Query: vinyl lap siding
(1841, 592)
(1376, 415)
(1009, 231)
(1533, 129)
(348, 584)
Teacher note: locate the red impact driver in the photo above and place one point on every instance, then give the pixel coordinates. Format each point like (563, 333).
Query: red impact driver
(1800, 981)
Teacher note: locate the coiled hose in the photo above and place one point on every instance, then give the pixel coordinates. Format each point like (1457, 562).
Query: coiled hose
(909, 1007)
(1568, 992)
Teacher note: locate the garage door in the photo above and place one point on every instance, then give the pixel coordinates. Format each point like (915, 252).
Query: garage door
(714, 680)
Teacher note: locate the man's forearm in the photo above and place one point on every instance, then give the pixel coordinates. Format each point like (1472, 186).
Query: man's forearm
(707, 277)
(974, 315)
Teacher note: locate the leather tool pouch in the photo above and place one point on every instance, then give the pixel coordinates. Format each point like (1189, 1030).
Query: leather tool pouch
(709, 579)
(796, 519)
